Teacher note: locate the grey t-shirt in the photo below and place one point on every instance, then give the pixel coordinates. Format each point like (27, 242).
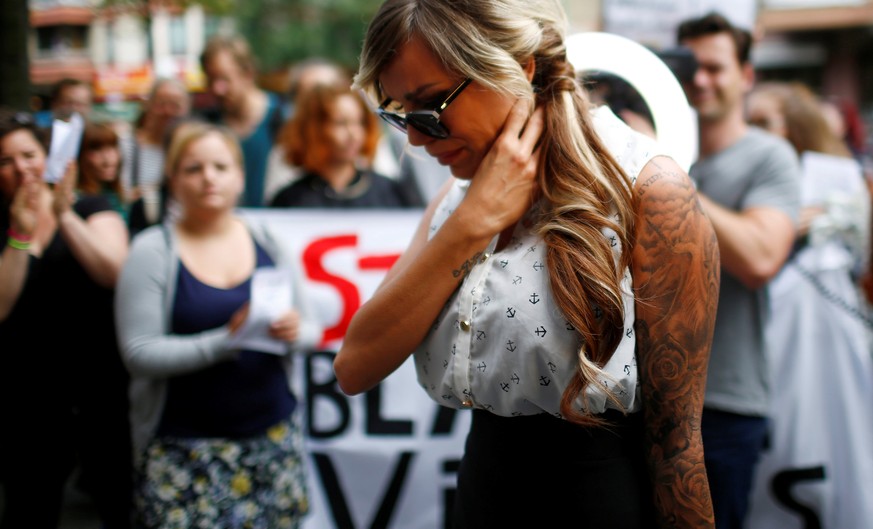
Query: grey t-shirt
(760, 170)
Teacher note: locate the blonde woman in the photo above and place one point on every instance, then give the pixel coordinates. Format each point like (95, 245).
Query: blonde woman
(213, 422)
(562, 287)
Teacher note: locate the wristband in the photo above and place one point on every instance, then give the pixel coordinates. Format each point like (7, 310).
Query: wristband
(18, 236)
(18, 244)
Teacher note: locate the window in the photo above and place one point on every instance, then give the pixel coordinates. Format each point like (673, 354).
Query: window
(178, 46)
(211, 26)
(62, 40)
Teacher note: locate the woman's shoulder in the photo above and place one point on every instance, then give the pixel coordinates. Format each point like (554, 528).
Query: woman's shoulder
(151, 238)
(265, 235)
(289, 194)
(663, 181)
(450, 195)
(376, 175)
(260, 229)
(632, 149)
(150, 251)
(89, 204)
(382, 181)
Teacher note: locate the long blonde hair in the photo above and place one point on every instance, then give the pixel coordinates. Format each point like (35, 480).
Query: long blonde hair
(583, 188)
(806, 127)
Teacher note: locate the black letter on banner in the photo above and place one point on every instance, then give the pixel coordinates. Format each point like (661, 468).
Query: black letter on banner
(781, 486)
(339, 507)
(444, 421)
(450, 468)
(328, 390)
(378, 426)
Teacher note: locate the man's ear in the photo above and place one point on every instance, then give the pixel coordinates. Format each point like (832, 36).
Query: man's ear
(530, 68)
(748, 73)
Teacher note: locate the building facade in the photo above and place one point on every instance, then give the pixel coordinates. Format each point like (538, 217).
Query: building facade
(121, 49)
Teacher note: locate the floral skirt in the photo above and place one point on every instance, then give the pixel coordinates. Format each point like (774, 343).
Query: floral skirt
(216, 483)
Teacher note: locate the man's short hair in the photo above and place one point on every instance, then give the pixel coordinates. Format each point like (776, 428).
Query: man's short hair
(300, 69)
(236, 46)
(711, 24)
(63, 84)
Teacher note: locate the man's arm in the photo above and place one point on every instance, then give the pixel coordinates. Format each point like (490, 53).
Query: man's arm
(754, 243)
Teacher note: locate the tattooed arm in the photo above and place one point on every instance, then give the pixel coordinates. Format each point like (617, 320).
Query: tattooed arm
(676, 281)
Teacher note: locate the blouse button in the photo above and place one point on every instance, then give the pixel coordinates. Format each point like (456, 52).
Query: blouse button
(467, 403)
(465, 325)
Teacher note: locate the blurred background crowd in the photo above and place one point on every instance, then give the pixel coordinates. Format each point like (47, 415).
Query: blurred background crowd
(275, 75)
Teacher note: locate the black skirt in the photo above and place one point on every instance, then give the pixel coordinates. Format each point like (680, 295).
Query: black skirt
(543, 472)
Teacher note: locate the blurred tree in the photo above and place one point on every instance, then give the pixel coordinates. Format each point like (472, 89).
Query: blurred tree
(214, 6)
(14, 61)
(283, 32)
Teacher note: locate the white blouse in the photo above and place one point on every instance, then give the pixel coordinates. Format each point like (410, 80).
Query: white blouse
(500, 343)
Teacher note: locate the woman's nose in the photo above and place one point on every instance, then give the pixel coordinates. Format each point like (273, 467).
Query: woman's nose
(21, 166)
(416, 137)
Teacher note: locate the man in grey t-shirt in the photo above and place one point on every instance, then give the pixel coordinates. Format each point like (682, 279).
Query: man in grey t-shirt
(749, 186)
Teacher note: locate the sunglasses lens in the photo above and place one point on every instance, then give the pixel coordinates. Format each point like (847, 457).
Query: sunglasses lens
(425, 124)
(428, 125)
(394, 120)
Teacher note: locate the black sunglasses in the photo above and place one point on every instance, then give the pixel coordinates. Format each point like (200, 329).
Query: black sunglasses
(424, 121)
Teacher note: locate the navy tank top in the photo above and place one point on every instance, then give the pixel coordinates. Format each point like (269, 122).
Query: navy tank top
(237, 398)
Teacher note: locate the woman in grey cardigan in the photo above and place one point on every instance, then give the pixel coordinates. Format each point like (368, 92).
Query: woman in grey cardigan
(214, 424)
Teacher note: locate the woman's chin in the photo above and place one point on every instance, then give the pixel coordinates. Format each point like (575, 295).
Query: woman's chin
(462, 171)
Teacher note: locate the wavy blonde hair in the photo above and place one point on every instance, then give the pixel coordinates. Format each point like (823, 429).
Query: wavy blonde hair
(806, 127)
(582, 187)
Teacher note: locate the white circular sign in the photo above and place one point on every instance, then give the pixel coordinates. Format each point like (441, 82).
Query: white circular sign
(674, 119)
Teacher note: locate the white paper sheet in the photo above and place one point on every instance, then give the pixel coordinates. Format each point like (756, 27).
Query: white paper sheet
(271, 296)
(66, 137)
(826, 176)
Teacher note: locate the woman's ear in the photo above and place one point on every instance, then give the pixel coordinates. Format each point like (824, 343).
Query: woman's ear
(530, 68)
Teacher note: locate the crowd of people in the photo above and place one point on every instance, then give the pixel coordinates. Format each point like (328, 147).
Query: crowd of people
(670, 298)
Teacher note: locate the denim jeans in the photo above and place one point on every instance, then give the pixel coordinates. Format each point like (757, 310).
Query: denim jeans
(732, 446)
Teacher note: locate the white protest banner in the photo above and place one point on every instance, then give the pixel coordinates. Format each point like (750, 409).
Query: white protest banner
(386, 459)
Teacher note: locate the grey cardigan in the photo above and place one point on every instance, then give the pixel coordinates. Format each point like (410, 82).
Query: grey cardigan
(143, 307)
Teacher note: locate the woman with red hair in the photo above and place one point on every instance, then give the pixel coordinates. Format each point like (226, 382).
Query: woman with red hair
(333, 138)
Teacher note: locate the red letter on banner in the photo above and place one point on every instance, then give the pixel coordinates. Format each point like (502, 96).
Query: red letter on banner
(348, 291)
(313, 257)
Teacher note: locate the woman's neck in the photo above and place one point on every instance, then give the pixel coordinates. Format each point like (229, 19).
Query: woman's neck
(206, 224)
(248, 114)
(151, 133)
(92, 185)
(338, 176)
